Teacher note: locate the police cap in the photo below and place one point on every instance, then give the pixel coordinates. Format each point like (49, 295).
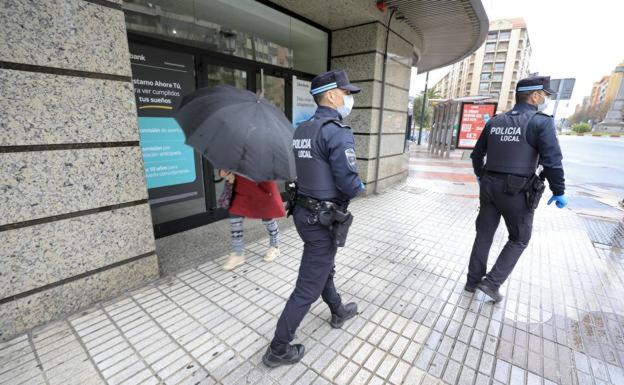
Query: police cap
(535, 83)
(330, 80)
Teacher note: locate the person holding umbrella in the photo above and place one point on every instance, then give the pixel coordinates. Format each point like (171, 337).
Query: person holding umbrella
(257, 201)
(242, 132)
(327, 179)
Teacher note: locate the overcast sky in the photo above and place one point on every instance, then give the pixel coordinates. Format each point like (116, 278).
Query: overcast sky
(570, 38)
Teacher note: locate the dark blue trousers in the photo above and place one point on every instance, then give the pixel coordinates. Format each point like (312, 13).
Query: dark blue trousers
(494, 203)
(316, 278)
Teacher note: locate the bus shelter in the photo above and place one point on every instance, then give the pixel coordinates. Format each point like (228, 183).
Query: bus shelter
(457, 123)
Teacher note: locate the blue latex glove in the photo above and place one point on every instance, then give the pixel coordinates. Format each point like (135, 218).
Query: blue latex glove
(561, 201)
(362, 187)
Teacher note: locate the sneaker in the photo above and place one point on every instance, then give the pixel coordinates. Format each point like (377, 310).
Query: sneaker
(348, 311)
(272, 253)
(490, 292)
(294, 354)
(234, 260)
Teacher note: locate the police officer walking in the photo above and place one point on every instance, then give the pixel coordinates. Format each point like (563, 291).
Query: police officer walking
(515, 143)
(327, 179)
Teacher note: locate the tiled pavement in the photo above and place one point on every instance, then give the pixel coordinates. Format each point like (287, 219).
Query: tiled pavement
(562, 320)
(452, 176)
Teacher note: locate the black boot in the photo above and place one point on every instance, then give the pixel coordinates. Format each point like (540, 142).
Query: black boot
(345, 312)
(292, 355)
(470, 288)
(490, 291)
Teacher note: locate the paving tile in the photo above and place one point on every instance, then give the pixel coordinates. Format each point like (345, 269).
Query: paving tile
(405, 268)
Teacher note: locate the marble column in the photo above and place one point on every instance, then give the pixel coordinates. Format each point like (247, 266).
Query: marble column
(359, 50)
(75, 226)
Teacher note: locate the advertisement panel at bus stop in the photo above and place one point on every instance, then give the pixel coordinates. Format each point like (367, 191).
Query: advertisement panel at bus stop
(472, 121)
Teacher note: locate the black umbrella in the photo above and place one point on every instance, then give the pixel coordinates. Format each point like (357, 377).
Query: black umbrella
(240, 132)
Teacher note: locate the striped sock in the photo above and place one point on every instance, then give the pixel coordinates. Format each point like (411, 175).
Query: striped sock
(273, 229)
(236, 230)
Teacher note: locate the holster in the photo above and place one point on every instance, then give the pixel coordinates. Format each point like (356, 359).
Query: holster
(291, 191)
(533, 193)
(331, 215)
(340, 227)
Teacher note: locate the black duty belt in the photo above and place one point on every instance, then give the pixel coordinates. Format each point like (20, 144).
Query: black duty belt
(498, 175)
(315, 204)
(502, 175)
(308, 203)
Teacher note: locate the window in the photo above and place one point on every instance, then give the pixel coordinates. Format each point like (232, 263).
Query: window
(486, 76)
(273, 90)
(492, 36)
(505, 35)
(246, 29)
(499, 67)
(497, 76)
(489, 57)
(487, 67)
(501, 57)
(503, 46)
(496, 86)
(490, 47)
(484, 86)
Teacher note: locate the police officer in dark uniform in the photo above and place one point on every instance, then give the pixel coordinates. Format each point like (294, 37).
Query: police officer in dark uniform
(327, 176)
(515, 144)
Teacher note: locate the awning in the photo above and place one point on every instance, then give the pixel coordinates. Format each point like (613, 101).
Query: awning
(443, 31)
(449, 30)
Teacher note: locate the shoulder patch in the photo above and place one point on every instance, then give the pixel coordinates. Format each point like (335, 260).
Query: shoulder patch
(351, 159)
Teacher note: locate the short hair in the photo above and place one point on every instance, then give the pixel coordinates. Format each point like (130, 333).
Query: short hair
(318, 98)
(522, 97)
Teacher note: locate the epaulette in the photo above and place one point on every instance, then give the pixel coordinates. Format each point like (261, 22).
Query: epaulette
(339, 123)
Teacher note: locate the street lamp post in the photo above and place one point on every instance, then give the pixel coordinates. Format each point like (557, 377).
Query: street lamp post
(422, 110)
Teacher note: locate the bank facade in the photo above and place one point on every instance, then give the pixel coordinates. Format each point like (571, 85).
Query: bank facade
(94, 168)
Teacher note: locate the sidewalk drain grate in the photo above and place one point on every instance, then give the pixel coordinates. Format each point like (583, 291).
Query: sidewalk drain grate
(609, 233)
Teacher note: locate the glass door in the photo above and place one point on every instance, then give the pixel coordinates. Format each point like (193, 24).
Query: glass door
(274, 83)
(274, 89)
(213, 73)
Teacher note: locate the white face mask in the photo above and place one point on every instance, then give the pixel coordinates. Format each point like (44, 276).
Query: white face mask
(347, 106)
(542, 106)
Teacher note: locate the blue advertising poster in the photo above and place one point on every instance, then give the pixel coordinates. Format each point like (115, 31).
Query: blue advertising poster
(168, 161)
(303, 106)
(161, 78)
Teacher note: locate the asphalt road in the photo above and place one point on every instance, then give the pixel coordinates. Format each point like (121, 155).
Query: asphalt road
(595, 161)
(594, 172)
